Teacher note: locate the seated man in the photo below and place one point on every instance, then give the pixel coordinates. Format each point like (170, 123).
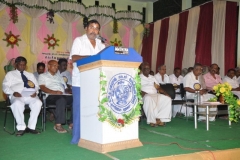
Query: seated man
(13, 84)
(193, 82)
(161, 76)
(40, 70)
(232, 80)
(54, 86)
(212, 78)
(62, 70)
(176, 79)
(157, 107)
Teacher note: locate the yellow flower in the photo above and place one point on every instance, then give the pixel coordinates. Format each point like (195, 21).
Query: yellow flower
(215, 88)
(222, 89)
(238, 102)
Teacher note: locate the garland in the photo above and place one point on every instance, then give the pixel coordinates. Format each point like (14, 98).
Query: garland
(106, 114)
(146, 30)
(11, 39)
(115, 26)
(13, 13)
(224, 90)
(51, 41)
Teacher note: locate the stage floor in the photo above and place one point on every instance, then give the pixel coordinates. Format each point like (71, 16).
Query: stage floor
(176, 138)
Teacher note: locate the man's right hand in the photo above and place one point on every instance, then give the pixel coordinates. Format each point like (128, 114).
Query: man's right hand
(16, 94)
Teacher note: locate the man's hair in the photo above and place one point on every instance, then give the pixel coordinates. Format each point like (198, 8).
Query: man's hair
(143, 64)
(161, 66)
(197, 65)
(62, 60)
(40, 64)
(93, 21)
(213, 64)
(231, 70)
(237, 68)
(177, 68)
(20, 59)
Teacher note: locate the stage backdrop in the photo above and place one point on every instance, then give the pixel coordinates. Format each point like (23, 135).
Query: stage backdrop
(38, 40)
(205, 34)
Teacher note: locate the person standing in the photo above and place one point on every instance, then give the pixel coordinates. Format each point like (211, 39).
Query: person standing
(13, 85)
(84, 46)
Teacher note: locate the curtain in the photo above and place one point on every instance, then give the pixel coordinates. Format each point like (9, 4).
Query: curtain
(162, 42)
(156, 34)
(204, 35)
(147, 46)
(230, 35)
(171, 43)
(182, 28)
(123, 17)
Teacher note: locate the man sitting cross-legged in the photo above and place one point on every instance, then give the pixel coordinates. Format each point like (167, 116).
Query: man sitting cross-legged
(157, 107)
(54, 86)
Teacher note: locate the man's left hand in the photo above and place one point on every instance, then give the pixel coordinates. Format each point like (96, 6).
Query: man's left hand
(34, 95)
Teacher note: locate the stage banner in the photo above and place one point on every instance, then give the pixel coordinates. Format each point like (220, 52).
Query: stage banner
(119, 96)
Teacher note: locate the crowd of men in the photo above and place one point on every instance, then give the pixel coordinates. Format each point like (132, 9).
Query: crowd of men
(157, 103)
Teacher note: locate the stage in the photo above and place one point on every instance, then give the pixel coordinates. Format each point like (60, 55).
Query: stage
(177, 140)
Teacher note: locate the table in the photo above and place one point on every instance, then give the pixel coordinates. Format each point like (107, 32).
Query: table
(206, 104)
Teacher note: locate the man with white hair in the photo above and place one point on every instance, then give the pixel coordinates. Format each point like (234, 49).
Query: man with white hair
(161, 76)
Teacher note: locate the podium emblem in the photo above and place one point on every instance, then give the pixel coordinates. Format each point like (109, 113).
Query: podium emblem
(121, 93)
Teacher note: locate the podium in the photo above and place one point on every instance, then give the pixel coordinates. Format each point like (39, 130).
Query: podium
(107, 100)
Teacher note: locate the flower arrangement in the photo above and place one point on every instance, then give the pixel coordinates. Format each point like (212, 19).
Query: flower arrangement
(224, 90)
(51, 41)
(11, 39)
(116, 42)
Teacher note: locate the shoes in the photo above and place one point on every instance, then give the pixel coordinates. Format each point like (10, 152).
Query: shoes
(160, 123)
(20, 133)
(59, 129)
(51, 117)
(70, 126)
(28, 130)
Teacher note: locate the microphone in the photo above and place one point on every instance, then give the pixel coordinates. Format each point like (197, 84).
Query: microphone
(101, 38)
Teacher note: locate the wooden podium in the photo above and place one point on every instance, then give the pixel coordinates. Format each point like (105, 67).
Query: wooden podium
(119, 68)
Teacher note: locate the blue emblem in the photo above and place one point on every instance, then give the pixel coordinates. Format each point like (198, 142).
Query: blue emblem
(122, 94)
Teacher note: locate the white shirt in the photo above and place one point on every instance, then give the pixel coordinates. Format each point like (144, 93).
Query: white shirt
(36, 75)
(147, 84)
(83, 47)
(53, 82)
(67, 76)
(158, 77)
(233, 82)
(189, 80)
(13, 82)
(176, 80)
(238, 79)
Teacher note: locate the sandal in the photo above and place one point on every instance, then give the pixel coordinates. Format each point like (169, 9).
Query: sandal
(153, 125)
(70, 126)
(59, 129)
(51, 117)
(159, 123)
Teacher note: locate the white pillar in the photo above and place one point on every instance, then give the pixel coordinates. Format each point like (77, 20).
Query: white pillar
(186, 4)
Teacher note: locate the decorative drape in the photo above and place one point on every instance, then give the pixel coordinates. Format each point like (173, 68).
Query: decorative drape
(34, 13)
(156, 31)
(62, 9)
(135, 20)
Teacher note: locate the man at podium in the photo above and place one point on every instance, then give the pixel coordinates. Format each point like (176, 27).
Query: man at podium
(84, 46)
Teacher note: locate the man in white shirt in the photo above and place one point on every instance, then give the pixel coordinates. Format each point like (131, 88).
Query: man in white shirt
(237, 69)
(191, 83)
(54, 86)
(232, 80)
(176, 79)
(13, 85)
(157, 107)
(62, 70)
(161, 76)
(40, 70)
(84, 46)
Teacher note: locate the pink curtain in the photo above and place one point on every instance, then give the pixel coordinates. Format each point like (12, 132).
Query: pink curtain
(182, 28)
(230, 35)
(204, 35)
(147, 46)
(162, 44)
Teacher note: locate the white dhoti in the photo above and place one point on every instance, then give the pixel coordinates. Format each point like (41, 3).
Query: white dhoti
(181, 108)
(18, 107)
(157, 106)
(237, 93)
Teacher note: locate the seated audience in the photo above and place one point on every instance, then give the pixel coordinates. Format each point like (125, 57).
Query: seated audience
(237, 69)
(190, 81)
(152, 73)
(176, 79)
(212, 78)
(54, 86)
(157, 107)
(40, 70)
(190, 69)
(13, 84)
(62, 70)
(232, 80)
(161, 76)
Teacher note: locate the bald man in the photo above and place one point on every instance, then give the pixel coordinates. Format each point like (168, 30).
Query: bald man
(55, 88)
